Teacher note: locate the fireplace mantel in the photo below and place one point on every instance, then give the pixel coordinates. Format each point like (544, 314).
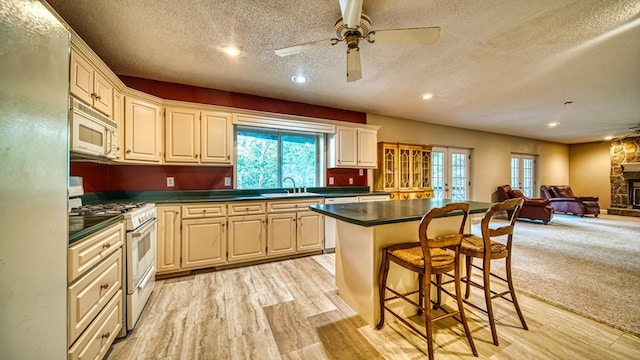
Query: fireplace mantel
(630, 166)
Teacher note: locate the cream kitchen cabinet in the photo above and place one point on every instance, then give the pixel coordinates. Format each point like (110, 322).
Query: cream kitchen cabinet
(204, 236)
(168, 239)
(293, 228)
(247, 231)
(89, 85)
(118, 117)
(353, 148)
(200, 137)
(142, 130)
(94, 293)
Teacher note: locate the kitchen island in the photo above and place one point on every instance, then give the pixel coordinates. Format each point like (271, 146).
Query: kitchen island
(364, 229)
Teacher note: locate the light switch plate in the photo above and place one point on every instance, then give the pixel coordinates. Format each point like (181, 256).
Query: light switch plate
(330, 180)
(227, 181)
(350, 181)
(170, 181)
(361, 172)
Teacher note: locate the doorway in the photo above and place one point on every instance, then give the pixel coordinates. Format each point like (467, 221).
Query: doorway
(450, 173)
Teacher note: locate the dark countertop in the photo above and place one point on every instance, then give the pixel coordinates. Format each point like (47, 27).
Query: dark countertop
(189, 196)
(81, 226)
(388, 212)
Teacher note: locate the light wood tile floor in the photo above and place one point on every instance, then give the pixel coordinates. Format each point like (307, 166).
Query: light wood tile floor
(291, 310)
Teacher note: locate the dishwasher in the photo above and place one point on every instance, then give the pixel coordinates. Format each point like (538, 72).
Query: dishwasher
(330, 233)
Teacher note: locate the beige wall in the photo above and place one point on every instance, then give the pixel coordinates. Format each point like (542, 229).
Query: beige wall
(589, 168)
(491, 153)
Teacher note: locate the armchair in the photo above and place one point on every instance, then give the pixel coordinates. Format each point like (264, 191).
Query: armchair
(533, 209)
(564, 200)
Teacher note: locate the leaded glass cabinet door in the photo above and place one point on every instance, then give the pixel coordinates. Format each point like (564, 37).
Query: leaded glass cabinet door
(426, 167)
(416, 168)
(404, 170)
(390, 175)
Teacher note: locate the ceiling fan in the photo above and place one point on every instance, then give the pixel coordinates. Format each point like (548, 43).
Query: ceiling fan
(354, 26)
(634, 131)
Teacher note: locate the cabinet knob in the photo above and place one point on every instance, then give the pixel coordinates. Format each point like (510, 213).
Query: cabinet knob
(106, 246)
(128, 151)
(104, 286)
(106, 335)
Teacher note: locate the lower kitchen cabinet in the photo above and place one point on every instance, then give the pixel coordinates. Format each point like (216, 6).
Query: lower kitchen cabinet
(169, 244)
(204, 242)
(281, 238)
(247, 237)
(94, 295)
(310, 234)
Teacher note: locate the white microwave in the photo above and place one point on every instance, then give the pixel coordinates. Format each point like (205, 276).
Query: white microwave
(91, 132)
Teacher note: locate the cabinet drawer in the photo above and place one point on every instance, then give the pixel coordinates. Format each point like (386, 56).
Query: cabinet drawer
(246, 208)
(88, 295)
(203, 210)
(89, 251)
(291, 205)
(95, 342)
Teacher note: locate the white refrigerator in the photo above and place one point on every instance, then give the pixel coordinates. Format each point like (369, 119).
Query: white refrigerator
(34, 167)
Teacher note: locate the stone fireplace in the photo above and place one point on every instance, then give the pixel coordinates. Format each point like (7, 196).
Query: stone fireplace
(625, 177)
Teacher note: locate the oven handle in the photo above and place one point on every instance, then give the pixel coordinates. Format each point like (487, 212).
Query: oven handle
(146, 279)
(139, 233)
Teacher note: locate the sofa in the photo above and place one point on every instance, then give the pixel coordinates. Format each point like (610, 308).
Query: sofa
(564, 200)
(532, 209)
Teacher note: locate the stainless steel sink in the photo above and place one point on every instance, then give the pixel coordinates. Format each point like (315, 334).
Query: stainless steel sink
(286, 195)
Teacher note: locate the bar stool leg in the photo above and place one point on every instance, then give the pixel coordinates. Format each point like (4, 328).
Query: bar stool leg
(420, 293)
(426, 285)
(382, 284)
(486, 284)
(463, 317)
(469, 264)
(513, 292)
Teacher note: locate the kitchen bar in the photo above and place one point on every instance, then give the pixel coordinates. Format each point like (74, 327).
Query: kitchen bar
(363, 229)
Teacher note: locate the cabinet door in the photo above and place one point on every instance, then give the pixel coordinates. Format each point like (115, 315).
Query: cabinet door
(310, 231)
(182, 135)
(367, 140)
(204, 242)
(81, 84)
(281, 239)
(168, 238)
(102, 94)
(217, 137)
(143, 130)
(118, 117)
(247, 237)
(347, 148)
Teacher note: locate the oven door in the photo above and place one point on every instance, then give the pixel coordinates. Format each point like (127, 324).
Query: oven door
(141, 253)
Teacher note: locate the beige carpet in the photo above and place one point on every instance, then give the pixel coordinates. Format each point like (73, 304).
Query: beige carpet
(588, 265)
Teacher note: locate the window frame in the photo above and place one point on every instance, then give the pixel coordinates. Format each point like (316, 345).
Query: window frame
(321, 169)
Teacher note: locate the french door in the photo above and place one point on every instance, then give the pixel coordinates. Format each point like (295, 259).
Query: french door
(450, 173)
(523, 173)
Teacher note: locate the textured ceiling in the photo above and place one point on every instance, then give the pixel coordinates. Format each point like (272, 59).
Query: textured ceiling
(500, 66)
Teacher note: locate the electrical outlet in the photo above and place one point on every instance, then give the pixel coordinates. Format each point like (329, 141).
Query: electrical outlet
(361, 172)
(170, 181)
(350, 181)
(330, 180)
(227, 181)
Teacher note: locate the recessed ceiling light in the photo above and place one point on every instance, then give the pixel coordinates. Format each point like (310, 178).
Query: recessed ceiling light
(231, 50)
(299, 79)
(427, 96)
(608, 137)
(553, 124)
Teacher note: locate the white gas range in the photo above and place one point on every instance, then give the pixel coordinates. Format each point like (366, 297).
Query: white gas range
(140, 251)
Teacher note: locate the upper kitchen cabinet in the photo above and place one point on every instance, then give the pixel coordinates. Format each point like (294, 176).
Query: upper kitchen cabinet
(142, 130)
(200, 137)
(352, 147)
(89, 85)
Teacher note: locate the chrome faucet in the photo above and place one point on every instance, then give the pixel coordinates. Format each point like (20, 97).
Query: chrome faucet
(293, 181)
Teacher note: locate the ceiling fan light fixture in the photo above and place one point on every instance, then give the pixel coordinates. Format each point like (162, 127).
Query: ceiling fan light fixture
(299, 79)
(231, 50)
(553, 124)
(426, 96)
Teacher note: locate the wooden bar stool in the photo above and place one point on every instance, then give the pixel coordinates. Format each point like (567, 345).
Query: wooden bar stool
(429, 256)
(488, 249)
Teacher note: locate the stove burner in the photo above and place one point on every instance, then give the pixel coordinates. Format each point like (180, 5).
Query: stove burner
(105, 209)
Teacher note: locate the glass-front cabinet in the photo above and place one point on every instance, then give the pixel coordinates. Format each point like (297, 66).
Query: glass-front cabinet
(404, 170)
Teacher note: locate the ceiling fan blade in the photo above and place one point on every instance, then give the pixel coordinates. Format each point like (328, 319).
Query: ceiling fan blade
(292, 50)
(351, 10)
(413, 36)
(354, 70)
